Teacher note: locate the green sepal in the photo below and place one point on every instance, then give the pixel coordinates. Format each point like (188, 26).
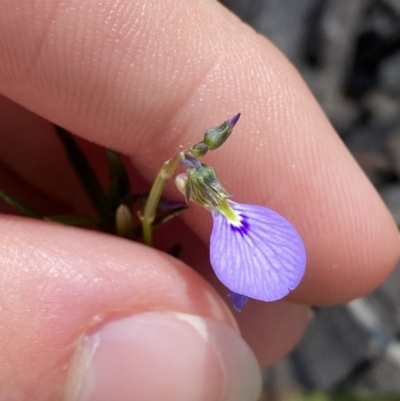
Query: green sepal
(204, 188)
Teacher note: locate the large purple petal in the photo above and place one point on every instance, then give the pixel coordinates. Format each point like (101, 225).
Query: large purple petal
(262, 258)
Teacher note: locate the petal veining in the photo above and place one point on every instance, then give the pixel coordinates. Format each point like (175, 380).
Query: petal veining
(263, 257)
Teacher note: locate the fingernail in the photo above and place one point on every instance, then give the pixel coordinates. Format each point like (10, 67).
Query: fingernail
(166, 356)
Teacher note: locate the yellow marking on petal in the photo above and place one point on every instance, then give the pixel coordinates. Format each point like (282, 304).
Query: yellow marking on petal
(226, 209)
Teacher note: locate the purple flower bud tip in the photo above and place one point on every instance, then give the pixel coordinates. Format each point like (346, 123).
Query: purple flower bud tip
(233, 120)
(238, 301)
(255, 252)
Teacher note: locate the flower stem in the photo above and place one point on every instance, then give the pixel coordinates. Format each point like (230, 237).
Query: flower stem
(149, 214)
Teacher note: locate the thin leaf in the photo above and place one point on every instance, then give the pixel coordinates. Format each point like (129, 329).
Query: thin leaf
(163, 205)
(22, 207)
(72, 220)
(119, 180)
(85, 175)
(170, 205)
(160, 220)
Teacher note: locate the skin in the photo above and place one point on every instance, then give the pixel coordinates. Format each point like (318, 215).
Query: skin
(144, 78)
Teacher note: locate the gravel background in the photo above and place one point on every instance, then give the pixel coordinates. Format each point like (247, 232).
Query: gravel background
(348, 51)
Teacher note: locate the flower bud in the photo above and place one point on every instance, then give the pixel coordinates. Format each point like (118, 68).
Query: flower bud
(124, 221)
(215, 137)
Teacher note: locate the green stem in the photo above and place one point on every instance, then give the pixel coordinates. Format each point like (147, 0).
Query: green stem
(166, 172)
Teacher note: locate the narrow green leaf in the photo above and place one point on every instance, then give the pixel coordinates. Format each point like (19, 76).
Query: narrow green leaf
(22, 207)
(159, 221)
(86, 176)
(119, 180)
(72, 220)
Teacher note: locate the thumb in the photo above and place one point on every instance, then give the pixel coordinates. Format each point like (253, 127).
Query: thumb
(163, 355)
(85, 316)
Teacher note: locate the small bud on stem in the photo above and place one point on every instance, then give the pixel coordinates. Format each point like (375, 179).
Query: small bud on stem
(201, 185)
(215, 137)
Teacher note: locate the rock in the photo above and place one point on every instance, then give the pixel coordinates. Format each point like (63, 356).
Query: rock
(391, 196)
(376, 166)
(393, 149)
(389, 76)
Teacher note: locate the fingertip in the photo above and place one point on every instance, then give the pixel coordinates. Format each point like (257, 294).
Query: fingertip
(364, 248)
(272, 329)
(163, 355)
(60, 281)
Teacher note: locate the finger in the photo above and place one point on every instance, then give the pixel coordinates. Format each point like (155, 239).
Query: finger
(260, 323)
(77, 305)
(127, 78)
(196, 255)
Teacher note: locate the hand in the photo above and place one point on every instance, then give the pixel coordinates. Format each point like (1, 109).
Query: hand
(91, 317)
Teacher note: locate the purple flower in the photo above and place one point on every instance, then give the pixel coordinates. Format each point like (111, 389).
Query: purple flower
(255, 252)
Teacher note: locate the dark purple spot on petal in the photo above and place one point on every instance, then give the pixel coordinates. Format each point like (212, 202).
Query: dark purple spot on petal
(243, 228)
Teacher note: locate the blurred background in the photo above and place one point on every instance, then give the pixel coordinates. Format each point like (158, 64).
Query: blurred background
(348, 51)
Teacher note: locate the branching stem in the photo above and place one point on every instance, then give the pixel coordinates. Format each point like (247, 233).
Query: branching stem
(149, 214)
